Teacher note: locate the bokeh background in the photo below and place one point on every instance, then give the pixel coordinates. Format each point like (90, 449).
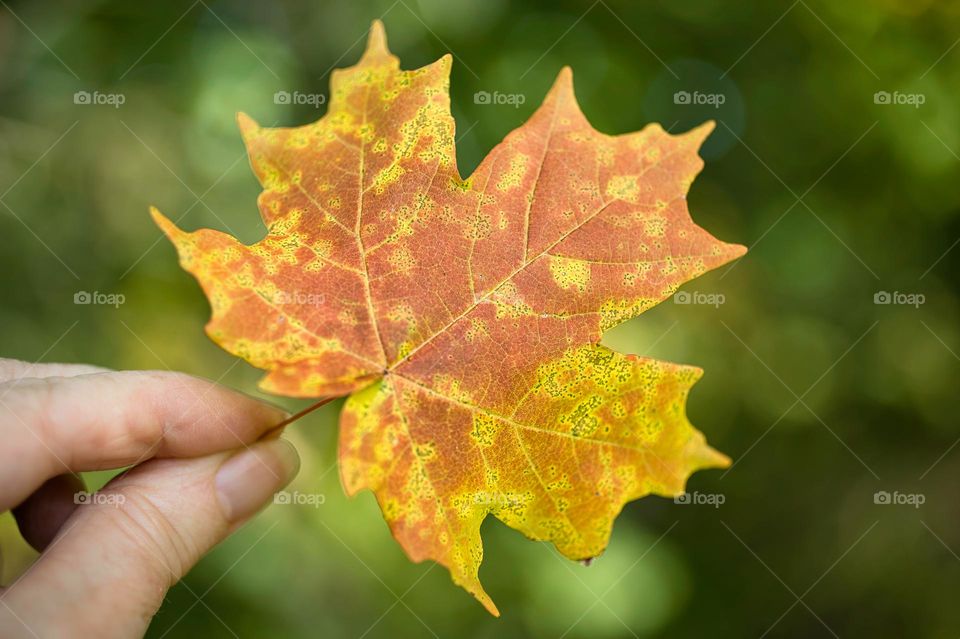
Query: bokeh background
(822, 396)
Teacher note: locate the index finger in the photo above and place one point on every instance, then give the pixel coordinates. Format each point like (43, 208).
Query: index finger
(108, 420)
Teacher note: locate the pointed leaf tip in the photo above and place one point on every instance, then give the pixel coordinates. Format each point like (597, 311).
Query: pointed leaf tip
(699, 134)
(376, 41)
(159, 218)
(562, 92)
(709, 457)
(481, 595)
(736, 250)
(247, 124)
(166, 225)
(564, 82)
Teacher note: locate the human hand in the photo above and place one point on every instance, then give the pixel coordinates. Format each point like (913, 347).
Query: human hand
(198, 473)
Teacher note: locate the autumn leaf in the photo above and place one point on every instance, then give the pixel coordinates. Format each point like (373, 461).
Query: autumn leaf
(463, 315)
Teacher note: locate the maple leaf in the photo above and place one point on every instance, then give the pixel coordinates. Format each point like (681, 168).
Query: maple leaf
(464, 315)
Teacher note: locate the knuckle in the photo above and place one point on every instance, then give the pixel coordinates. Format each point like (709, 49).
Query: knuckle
(150, 534)
(157, 401)
(169, 397)
(33, 407)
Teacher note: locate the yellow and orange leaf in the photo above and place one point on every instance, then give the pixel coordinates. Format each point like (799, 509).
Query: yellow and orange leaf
(463, 315)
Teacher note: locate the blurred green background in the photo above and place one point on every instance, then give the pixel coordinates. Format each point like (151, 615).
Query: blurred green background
(822, 396)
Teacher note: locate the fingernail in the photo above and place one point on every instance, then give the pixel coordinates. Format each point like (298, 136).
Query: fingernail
(270, 414)
(247, 481)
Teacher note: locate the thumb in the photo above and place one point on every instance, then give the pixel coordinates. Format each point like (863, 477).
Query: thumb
(107, 572)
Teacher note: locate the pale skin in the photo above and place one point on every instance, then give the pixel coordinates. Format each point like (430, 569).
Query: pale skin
(201, 467)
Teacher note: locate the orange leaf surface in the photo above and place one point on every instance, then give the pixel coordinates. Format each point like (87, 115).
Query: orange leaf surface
(463, 315)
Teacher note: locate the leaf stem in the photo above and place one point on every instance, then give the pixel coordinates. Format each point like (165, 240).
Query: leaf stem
(275, 431)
